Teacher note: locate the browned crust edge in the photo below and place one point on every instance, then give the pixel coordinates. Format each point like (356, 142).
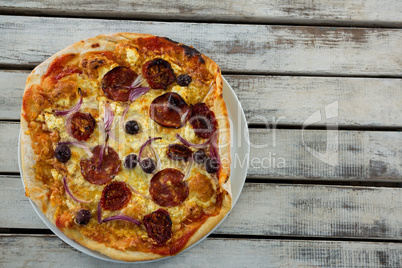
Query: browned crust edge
(28, 161)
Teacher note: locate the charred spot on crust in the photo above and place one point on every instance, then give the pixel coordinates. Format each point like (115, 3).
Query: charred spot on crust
(190, 51)
(201, 60)
(170, 40)
(95, 45)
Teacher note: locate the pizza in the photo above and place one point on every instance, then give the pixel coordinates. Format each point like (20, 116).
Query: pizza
(125, 145)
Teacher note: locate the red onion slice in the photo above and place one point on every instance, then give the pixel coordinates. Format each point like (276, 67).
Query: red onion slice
(121, 217)
(109, 115)
(158, 160)
(70, 194)
(83, 146)
(188, 171)
(72, 110)
(99, 212)
(137, 92)
(185, 116)
(112, 135)
(137, 82)
(144, 145)
(137, 192)
(189, 144)
(213, 149)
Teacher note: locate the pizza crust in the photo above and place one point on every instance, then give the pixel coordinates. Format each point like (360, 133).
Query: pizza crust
(38, 194)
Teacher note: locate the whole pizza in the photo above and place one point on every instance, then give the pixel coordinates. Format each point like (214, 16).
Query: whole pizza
(125, 144)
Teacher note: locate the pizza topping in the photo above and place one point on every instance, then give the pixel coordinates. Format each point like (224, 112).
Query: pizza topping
(130, 161)
(62, 153)
(201, 186)
(203, 120)
(159, 73)
(211, 165)
(77, 144)
(116, 84)
(74, 109)
(159, 226)
(81, 126)
(167, 188)
(168, 109)
(200, 157)
(108, 119)
(83, 216)
(148, 165)
(115, 196)
(69, 192)
(189, 144)
(188, 171)
(132, 127)
(121, 217)
(109, 168)
(145, 145)
(137, 92)
(183, 80)
(179, 152)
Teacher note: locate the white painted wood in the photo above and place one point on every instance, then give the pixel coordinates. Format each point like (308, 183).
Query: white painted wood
(279, 100)
(235, 47)
(369, 12)
(288, 154)
(49, 251)
(270, 209)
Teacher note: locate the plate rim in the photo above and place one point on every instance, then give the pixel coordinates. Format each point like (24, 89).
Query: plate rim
(228, 93)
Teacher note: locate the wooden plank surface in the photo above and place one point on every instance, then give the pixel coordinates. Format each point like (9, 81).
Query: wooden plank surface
(49, 251)
(277, 100)
(235, 47)
(291, 154)
(270, 209)
(353, 12)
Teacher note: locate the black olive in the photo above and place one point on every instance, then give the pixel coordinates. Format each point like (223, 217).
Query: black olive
(130, 161)
(148, 165)
(83, 216)
(199, 156)
(62, 153)
(183, 80)
(211, 165)
(132, 127)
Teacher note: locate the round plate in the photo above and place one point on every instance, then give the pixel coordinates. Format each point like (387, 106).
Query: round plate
(238, 169)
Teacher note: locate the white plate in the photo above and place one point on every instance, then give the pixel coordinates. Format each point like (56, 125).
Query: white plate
(238, 170)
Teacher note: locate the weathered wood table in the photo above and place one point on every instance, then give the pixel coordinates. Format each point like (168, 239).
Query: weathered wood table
(320, 84)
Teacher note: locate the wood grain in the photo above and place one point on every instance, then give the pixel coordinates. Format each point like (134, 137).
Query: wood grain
(273, 100)
(288, 154)
(236, 48)
(271, 210)
(49, 251)
(354, 12)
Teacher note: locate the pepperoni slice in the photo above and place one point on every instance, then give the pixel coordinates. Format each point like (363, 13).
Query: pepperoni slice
(109, 169)
(115, 196)
(168, 109)
(81, 126)
(167, 188)
(203, 120)
(159, 73)
(159, 226)
(116, 83)
(179, 152)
